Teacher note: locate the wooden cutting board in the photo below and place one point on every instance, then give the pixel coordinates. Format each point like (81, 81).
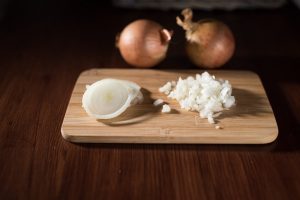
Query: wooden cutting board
(251, 121)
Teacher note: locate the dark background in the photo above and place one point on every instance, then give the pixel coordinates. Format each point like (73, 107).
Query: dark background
(45, 45)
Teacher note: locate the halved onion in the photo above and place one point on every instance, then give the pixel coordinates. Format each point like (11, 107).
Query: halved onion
(108, 98)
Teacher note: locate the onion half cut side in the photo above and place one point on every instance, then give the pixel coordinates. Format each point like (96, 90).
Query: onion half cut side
(108, 98)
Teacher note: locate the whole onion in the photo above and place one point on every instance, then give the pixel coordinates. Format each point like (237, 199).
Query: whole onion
(143, 43)
(210, 43)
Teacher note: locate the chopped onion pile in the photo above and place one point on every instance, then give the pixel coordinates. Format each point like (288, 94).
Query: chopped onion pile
(203, 94)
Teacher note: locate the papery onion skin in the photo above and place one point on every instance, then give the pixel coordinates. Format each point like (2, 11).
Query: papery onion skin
(143, 43)
(210, 43)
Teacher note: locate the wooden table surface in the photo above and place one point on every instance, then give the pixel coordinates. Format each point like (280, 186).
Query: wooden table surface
(43, 52)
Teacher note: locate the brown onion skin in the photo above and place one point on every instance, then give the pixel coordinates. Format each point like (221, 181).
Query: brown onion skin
(216, 47)
(142, 44)
(210, 43)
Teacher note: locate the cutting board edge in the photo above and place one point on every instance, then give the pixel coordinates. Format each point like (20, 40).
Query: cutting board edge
(139, 139)
(169, 70)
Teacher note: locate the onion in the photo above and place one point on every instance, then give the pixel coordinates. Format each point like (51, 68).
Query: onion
(202, 93)
(210, 43)
(108, 98)
(143, 43)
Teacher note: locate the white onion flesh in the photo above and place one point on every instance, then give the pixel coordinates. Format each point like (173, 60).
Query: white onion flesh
(203, 93)
(108, 98)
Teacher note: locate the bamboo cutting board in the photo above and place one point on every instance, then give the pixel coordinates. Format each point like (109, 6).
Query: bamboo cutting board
(251, 121)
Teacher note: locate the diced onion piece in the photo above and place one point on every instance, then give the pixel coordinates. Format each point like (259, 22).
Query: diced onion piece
(158, 102)
(166, 109)
(166, 88)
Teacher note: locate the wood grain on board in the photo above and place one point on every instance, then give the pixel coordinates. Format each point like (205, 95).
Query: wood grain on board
(251, 121)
